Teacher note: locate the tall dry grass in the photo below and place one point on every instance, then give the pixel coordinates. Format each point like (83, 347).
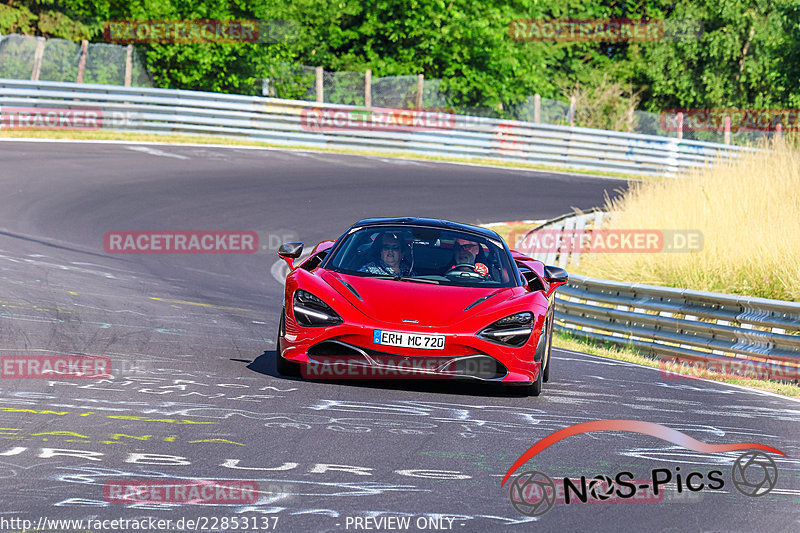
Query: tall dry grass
(749, 212)
(603, 104)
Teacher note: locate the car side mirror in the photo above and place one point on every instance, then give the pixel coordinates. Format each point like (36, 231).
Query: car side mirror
(556, 277)
(289, 251)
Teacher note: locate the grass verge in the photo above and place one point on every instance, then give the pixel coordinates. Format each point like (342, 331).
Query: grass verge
(212, 139)
(613, 351)
(747, 210)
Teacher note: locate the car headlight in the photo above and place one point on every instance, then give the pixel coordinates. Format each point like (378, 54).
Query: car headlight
(513, 330)
(312, 311)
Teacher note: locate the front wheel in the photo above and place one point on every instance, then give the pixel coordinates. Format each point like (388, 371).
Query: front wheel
(546, 377)
(282, 366)
(540, 356)
(535, 388)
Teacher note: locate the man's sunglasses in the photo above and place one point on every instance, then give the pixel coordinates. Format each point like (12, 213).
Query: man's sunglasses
(470, 247)
(392, 247)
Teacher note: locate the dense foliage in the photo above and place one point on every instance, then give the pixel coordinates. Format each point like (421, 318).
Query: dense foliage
(747, 55)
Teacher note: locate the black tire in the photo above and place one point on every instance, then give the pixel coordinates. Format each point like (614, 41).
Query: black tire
(535, 388)
(546, 376)
(282, 366)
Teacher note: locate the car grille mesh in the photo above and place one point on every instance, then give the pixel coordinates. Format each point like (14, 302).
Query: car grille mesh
(473, 366)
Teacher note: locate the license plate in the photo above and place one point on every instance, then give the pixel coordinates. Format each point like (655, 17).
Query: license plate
(408, 340)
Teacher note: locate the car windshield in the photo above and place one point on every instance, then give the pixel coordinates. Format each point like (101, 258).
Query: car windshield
(423, 255)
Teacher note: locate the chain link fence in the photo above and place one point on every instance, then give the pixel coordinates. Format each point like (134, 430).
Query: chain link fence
(16, 56)
(24, 57)
(397, 92)
(550, 111)
(344, 87)
(403, 92)
(290, 82)
(105, 63)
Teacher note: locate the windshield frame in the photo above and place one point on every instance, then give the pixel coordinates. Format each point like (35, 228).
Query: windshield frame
(496, 240)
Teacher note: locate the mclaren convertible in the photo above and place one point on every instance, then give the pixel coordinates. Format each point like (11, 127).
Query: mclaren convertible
(416, 298)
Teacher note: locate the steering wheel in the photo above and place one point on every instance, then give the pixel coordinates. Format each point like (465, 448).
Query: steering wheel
(466, 270)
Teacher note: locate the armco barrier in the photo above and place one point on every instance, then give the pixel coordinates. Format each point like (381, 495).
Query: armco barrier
(281, 122)
(737, 334)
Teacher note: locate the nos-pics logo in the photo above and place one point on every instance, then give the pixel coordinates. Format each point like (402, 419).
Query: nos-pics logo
(533, 493)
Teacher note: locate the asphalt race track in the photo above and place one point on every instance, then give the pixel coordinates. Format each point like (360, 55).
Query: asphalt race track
(194, 394)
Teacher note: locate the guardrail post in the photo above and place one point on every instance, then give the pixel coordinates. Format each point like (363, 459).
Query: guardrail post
(128, 65)
(320, 96)
(727, 137)
(575, 250)
(599, 217)
(671, 158)
(571, 112)
(566, 249)
(679, 124)
(37, 58)
(537, 108)
(420, 83)
(82, 61)
(368, 88)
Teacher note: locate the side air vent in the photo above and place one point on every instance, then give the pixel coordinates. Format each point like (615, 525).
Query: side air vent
(351, 289)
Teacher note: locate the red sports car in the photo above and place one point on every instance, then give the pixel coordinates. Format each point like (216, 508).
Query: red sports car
(417, 298)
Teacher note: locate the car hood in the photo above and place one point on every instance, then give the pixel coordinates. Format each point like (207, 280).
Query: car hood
(400, 302)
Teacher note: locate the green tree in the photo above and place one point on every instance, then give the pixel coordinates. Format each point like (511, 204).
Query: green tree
(748, 54)
(746, 57)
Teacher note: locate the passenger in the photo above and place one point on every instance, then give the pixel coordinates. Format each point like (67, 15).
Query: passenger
(391, 262)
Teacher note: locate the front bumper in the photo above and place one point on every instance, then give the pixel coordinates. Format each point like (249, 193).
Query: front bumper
(347, 351)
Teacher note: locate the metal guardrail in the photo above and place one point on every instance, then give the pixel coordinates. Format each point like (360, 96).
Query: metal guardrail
(282, 122)
(564, 254)
(737, 334)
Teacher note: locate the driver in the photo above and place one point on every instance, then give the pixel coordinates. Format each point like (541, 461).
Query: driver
(391, 258)
(466, 252)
